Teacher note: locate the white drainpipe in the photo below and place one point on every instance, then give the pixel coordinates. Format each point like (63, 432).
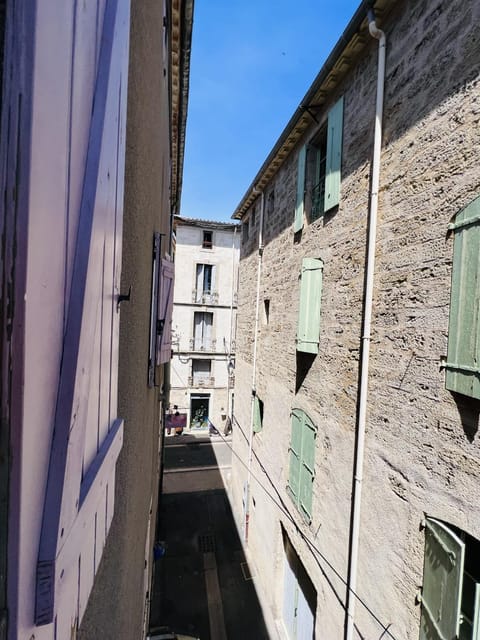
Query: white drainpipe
(254, 370)
(366, 334)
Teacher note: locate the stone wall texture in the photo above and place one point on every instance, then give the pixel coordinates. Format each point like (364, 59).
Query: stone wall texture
(422, 446)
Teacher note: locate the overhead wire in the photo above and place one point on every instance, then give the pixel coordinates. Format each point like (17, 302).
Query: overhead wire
(283, 508)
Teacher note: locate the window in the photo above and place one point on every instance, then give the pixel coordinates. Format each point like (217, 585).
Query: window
(257, 414)
(463, 359)
(302, 462)
(204, 283)
(201, 372)
(318, 171)
(202, 336)
(450, 595)
(308, 332)
(266, 311)
(207, 242)
(245, 229)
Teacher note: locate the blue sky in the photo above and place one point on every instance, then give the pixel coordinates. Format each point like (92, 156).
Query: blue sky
(252, 63)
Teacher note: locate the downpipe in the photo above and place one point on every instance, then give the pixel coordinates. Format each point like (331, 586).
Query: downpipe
(378, 34)
(254, 372)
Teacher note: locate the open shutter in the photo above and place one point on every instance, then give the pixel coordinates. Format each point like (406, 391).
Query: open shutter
(199, 283)
(295, 455)
(442, 583)
(156, 262)
(307, 470)
(300, 202)
(88, 435)
(257, 416)
(334, 155)
(165, 306)
(308, 333)
(463, 360)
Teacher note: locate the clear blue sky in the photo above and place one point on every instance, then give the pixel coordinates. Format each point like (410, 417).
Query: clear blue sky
(252, 63)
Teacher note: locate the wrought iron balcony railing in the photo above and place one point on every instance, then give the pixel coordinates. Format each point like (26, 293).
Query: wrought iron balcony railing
(201, 381)
(202, 344)
(204, 297)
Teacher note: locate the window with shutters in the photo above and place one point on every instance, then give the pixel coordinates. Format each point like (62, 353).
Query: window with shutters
(308, 332)
(463, 359)
(319, 170)
(257, 414)
(450, 595)
(204, 291)
(302, 462)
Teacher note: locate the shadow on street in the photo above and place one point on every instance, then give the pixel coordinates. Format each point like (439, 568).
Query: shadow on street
(202, 583)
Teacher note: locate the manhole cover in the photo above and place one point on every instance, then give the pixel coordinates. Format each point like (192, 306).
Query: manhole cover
(206, 542)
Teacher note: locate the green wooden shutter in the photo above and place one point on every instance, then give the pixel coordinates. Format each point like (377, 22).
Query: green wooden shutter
(257, 417)
(476, 614)
(295, 455)
(334, 155)
(442, 583)
(300, 203)
(308, 333)
(307, 470)
(463, 360)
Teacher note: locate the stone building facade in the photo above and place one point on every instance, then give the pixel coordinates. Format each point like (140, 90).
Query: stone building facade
(204, 320)
(302, 457)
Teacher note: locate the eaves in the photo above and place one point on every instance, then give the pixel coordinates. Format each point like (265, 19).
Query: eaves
(340, 61)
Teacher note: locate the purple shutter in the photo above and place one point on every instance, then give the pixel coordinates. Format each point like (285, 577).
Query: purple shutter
(87, 436)
(165, 305)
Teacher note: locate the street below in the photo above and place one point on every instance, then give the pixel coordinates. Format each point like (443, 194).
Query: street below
(202, 584)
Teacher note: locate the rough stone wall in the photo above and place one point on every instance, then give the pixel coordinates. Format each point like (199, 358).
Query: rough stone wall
(422, 451)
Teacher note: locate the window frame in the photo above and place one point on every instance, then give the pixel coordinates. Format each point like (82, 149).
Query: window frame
(207, 244)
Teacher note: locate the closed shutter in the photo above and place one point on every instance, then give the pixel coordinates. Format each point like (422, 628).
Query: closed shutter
(87, 435)
(165, 305)
(308, 333)
(442, 583)
(307, 469)
(463, 360)
(334, 155)
(257, 416)
(300, 202)
(295, 455)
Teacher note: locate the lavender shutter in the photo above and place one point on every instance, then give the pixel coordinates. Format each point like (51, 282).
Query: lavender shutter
(87, 437)
(165, 305)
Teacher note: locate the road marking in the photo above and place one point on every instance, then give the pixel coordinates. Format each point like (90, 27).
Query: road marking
(214, 598)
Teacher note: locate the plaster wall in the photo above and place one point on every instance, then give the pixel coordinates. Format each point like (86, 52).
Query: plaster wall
(422, 447)
(117, 606)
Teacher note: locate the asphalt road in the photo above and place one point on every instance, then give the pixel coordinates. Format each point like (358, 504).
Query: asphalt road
(202, 583)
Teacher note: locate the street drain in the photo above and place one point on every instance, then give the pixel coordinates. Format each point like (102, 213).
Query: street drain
(206, 543)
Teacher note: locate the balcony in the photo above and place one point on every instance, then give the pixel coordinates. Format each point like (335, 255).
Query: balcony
(199, 381)
(202, 344)
(204, 297)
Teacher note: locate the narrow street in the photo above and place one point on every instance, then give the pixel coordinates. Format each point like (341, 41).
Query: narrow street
(202, 585)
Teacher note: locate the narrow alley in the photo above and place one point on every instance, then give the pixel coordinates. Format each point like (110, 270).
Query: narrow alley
(202, 583)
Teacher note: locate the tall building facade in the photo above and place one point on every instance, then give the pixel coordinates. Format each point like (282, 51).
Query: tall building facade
(204, 321)
(94, 98)
(355, 478)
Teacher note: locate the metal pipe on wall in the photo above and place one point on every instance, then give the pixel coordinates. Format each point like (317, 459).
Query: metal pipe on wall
(254, 370)
(375, 32)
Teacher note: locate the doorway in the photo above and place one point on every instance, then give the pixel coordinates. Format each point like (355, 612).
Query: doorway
(199, 410)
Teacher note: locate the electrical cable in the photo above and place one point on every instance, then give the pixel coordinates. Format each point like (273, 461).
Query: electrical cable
(283, 508)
